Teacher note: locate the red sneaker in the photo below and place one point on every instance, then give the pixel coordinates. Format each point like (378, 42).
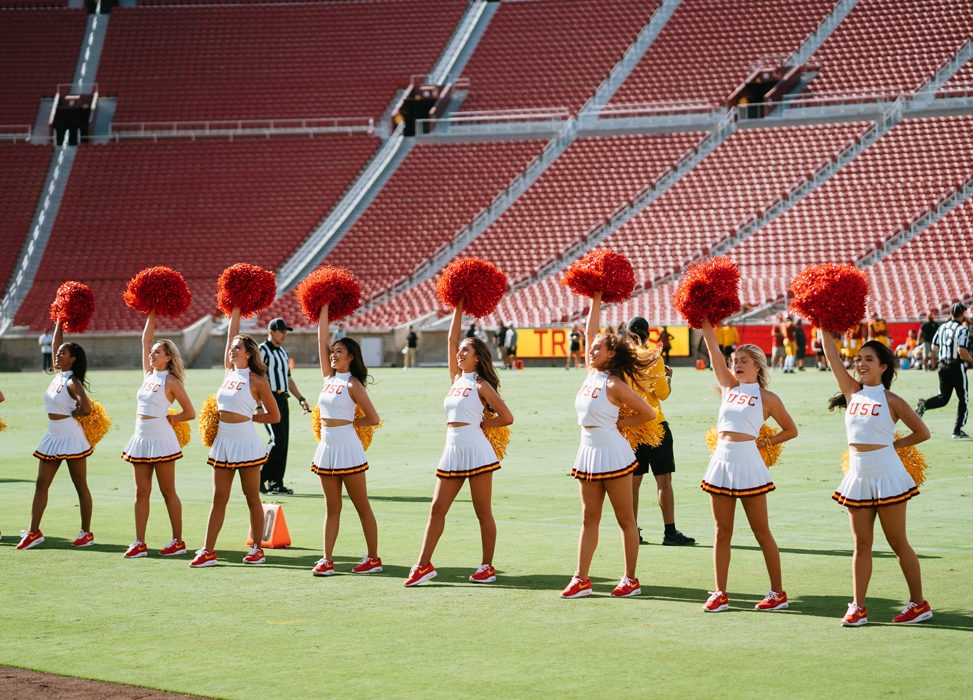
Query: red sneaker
(173, 548)
(914, 612)
(855, 617)
(255, 556)
(84, 539)
(368, 565)
(136, 549)
(418, 574)
(324, 567)
(772, 601)
(30, 538)
(577, 588)
(204, 557)
(627, 587)
(717, 602)
(484, 574)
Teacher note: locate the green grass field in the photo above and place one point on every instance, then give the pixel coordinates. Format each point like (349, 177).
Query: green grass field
(276, 631)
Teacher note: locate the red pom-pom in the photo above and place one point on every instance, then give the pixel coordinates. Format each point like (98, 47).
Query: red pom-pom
(601, 271)
(477, 281)
(159, 289)
(709, 290)
(334, 286)
(73, 306)
(831, 296)
(250, 287)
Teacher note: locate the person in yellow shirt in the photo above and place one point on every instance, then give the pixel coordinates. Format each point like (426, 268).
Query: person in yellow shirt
(728, 338)
(660, 459)
(878, 330)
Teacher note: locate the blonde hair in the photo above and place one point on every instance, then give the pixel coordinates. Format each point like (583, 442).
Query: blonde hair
(175, 365)
(760, 359)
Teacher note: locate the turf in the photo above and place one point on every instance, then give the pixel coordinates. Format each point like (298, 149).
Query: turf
(235, 631)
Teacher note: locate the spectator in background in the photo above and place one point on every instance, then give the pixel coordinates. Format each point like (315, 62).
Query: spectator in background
(817, 348)
(790, 345)
(471, 331)
(665, 342)
(340, 333)
(878, 330)
(46, 349)
(854, 339)
(777, 352)
(906, 350)
(498, 340)
(576, 349)
(801, 341)
(926, 333)
(509, 347)
(482, 336)
(729, 337)
(411, 346)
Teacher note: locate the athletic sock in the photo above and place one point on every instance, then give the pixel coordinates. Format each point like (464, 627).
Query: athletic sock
(670, 528)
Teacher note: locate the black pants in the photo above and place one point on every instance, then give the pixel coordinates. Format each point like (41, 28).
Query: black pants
(273, 469)
(952, 377)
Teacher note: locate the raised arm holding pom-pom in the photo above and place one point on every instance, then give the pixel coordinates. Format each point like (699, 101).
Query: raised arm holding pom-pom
(736, 469)
(468, 453)
(877, 483)
(339, 460)
(237, 447)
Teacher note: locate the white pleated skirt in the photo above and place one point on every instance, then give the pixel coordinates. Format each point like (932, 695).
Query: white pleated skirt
(875, 478)
(64, 440)
(737, 469)
(339, 452)
(154, 441)
(603, 454)
(467, 453)
(236, 446)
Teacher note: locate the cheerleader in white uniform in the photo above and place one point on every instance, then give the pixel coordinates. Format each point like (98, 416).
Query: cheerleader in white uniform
(340, 457)
(154, 446)
(237, 447)
(736, 469)
(877, 483)
(468, 454)
(605, 461)
(64, 400)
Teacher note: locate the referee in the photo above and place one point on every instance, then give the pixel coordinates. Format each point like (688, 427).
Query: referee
(279, 374)
(952, 343)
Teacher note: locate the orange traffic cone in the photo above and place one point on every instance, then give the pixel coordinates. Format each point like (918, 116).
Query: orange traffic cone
(275, 532)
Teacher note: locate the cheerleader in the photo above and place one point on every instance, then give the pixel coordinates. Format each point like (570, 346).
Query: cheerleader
(737, 470)
(468, 454)
(65, 440)
(237, 448)
(605, 461)
(877, 483)
(154, 446)
(340, 457)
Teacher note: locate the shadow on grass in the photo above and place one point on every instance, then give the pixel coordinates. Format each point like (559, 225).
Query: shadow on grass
(877, 554)
(17, 481)
(880, 612)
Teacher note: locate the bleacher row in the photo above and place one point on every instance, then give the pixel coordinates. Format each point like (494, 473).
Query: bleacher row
(201, 205)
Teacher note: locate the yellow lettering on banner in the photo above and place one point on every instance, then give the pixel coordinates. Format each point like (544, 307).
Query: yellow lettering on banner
(556, 342)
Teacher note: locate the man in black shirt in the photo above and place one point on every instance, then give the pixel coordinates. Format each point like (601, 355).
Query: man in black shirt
(411, 344)
(951, 342)
(926, 332)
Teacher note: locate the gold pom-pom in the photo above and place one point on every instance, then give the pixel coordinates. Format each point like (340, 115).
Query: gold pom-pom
(912, 459)
(181, 428)
(3, 426)
(96, 424)
(316, 422)
(209, 420)
(769, 453)
(648, 433)
(499, 438)
(364, 432)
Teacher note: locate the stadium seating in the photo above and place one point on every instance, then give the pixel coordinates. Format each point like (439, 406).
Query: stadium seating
(707, 49)
(890, 46)
(856, 209)
(550, 53)
(434, 192)
(23, 168)
(283, 61)
(930, 271)
(38, 51)
(197, 207)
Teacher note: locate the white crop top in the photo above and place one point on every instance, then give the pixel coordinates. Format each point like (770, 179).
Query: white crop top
(592, 404)
(57, 398)
(462, 403)
(151, 398)
(235, 394)
(868, 419)
(741, 410)
(335, 400)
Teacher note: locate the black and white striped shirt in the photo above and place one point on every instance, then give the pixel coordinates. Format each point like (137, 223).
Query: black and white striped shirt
(278, 366)
(949, 338)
